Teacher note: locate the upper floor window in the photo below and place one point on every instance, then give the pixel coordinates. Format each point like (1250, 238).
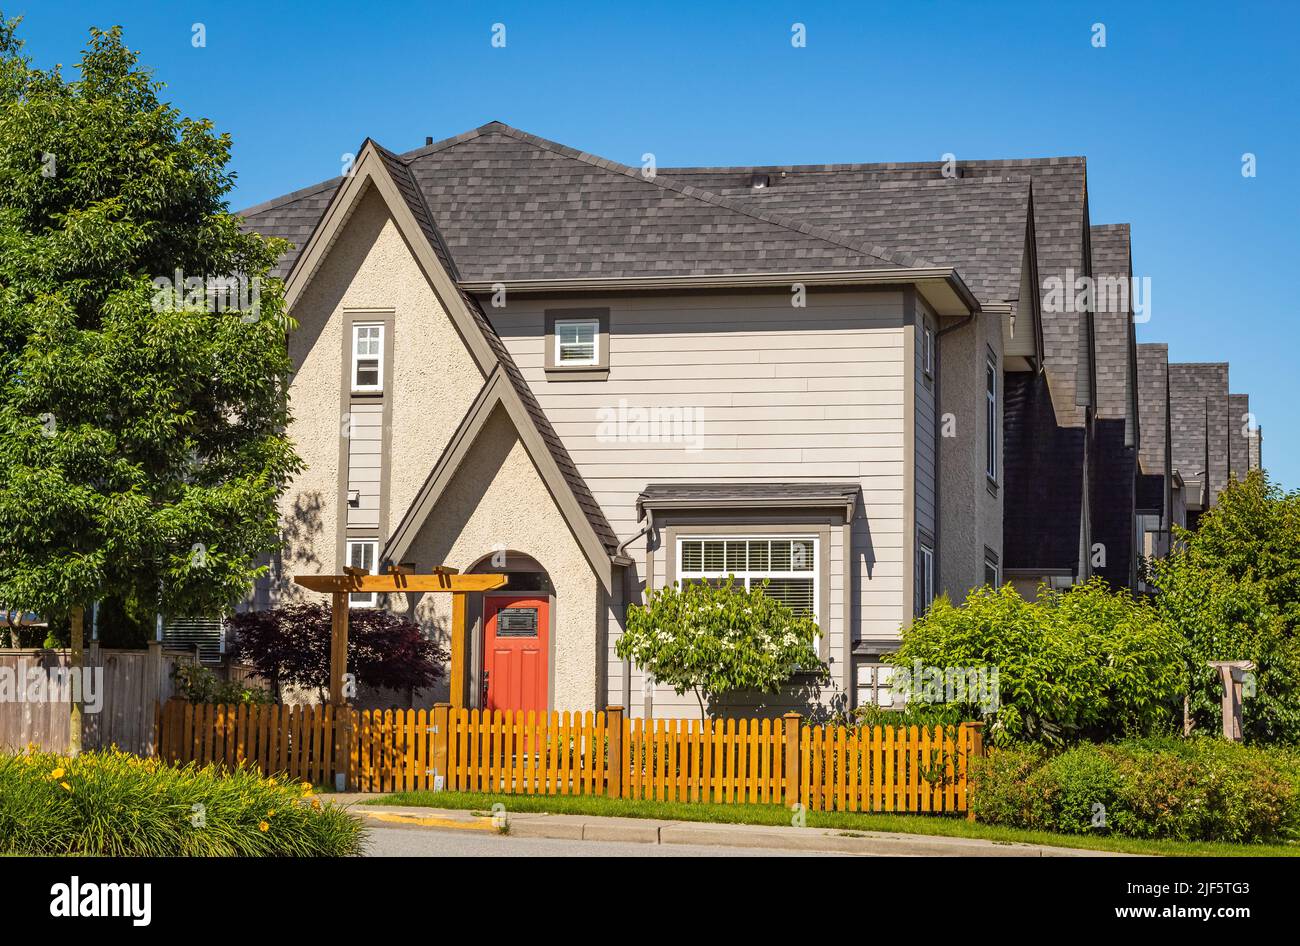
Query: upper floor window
(927, 351)
(367, 357)
(789, 566)
(362, 554)
(576, 341)
(924, 592)
(991, 418)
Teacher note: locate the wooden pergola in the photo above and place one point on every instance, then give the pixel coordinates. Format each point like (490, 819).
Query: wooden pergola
(397, 579)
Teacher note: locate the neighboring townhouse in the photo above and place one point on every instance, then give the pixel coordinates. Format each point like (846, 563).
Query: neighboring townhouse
(1161, 499)
(1198, 400)
(1116, 430)
(1042, 489)
(864, 384)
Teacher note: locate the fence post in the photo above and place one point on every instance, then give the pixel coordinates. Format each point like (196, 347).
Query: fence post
(441, 723)
(975, 749)
(614, 763)
(792, 721)
(153, 691)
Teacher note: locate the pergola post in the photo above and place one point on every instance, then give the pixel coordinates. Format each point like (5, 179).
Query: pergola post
(459, 644)
(76, 658)
(338, 667)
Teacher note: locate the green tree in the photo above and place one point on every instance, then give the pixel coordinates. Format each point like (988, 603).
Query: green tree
(718, 639)
(1085, 663)
(1232, 588)
(142, 430)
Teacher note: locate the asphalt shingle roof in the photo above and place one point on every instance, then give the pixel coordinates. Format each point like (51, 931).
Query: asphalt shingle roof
(1153, 405)
(1238, 437)
(512, 206)
(1060, 225)
(977, 226)
(1207, 381)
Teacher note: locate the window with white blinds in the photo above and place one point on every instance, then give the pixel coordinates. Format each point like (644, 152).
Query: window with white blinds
(789, 565)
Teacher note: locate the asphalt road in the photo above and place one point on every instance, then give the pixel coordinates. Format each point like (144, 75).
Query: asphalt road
(432, 842)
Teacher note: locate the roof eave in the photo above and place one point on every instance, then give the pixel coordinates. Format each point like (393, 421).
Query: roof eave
(943, 286)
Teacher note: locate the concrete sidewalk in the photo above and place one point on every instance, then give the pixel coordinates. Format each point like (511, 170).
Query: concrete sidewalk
(650, 831)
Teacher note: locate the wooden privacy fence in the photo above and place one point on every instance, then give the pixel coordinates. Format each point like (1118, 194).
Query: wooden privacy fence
(825, 768)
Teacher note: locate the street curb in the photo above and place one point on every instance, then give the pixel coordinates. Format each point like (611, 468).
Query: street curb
(721, 835)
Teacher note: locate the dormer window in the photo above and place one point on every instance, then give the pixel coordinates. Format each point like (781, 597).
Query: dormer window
(368, 357)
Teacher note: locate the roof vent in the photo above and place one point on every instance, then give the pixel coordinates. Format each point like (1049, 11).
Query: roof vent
(428, 140)
(759, 181)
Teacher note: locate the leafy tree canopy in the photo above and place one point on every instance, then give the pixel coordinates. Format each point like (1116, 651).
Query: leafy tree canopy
(1232, 588)
(142, 445)
(1085, 663)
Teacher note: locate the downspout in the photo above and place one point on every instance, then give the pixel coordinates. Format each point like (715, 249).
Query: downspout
(938, 436)
(628, 589)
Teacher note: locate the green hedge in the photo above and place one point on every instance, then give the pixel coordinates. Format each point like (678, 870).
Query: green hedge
(116, 804)
(1198, 789)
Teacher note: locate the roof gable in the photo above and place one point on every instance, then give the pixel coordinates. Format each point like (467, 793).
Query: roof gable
(379, 169)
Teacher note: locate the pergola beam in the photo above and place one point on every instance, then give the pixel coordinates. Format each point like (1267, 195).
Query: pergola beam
(399, 583)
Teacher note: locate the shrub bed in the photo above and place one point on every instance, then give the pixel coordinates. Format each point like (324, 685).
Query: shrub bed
(116, 804)
(1184, 789)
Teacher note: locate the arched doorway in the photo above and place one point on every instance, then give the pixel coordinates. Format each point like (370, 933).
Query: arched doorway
(514, 635)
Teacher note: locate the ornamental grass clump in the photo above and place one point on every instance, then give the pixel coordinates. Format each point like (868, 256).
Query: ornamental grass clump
(116, 804)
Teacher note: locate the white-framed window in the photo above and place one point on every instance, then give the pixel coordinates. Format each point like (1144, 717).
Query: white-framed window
(927, 351)
(992, 574)
(924, 575)
(576, 341)
(788, 564)
(875, 685)
(362, 554)
(367, 356)
(991, 419)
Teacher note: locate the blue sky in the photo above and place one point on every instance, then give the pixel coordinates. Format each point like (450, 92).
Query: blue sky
(1163, 113)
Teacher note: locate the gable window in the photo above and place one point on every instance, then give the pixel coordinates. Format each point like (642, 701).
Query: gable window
(576, 341)
(367, 357)
(991, 419)
(788, 565)
(362, 554)
(924, 592)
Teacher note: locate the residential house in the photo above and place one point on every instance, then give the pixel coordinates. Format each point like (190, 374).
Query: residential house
(854, 382)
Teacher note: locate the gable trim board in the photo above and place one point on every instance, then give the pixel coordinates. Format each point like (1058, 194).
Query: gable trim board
(498, 391)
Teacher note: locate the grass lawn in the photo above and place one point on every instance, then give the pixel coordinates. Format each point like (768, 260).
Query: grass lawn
(957, 827)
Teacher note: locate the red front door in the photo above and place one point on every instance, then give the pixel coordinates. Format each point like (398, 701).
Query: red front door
(515, 651)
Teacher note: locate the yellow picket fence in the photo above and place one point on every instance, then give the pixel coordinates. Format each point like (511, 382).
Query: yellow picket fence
(758, 761)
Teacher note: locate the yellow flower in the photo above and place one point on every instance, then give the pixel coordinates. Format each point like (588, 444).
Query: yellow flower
(66, 785)
(263, 826)
(315, 803)
(270, 813)
(57, 773)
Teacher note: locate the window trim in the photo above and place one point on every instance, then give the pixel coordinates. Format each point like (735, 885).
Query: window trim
(377, 388)
(814, 572)
(991, 419)
(595, 370)
(367, 599)
(927, 350)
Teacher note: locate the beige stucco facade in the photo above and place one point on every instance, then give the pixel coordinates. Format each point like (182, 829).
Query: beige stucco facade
(498, 499)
